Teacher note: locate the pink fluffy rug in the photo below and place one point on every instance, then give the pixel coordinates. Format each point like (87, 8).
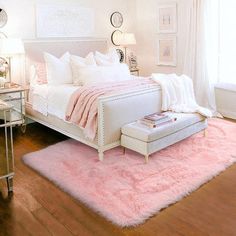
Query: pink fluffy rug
(124, 189)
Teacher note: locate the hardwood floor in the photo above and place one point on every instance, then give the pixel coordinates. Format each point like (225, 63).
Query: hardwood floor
(38, 207)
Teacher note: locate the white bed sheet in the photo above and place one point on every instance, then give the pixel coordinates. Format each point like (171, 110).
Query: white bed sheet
(53, 100)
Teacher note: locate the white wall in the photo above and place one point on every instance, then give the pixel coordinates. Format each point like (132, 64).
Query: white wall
(225, 94)
(140, 17)
(21, 21)
(21, 15)
(147, 35)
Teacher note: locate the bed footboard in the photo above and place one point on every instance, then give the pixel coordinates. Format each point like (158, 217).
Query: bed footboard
(118, 110)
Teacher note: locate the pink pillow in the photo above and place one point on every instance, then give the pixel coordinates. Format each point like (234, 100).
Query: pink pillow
(41, 73)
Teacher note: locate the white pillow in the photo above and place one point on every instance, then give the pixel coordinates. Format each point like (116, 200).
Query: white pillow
(83, 61)
(58, 69)
(109, 59)
(79, 62)
(101, 74)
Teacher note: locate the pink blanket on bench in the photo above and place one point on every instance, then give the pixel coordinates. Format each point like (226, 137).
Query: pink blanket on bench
(82, 109)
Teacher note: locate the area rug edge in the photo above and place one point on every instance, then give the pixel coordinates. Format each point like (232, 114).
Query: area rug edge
(105, 214)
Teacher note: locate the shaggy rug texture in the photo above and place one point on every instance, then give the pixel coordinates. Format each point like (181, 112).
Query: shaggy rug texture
(123, 188)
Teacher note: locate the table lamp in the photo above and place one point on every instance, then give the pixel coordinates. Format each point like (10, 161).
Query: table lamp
(125, 40)
(10, 47)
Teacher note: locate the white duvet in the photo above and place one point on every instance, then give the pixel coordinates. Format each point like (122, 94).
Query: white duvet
(52, 99)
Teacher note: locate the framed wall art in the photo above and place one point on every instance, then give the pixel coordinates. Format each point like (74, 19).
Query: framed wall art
(64, 20)
(167, 18)
(166, 50)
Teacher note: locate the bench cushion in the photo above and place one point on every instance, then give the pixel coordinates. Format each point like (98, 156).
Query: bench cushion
(146, 134)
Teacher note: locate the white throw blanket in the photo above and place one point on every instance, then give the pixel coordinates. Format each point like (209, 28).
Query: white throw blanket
(178, 94)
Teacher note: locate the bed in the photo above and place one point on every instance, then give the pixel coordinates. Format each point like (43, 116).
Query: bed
(114, 111)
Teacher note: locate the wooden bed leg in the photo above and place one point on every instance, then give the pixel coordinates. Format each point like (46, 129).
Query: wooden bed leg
(146, 158)
(205, 133)
(100, 155)
(124, 150)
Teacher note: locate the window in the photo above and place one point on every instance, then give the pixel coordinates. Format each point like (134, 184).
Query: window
(227, 41)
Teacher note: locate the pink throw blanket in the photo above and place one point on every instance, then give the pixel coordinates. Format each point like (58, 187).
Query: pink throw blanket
(82, 109)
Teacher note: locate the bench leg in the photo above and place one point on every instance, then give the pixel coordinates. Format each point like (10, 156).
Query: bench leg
(100, 155)
(146, 158)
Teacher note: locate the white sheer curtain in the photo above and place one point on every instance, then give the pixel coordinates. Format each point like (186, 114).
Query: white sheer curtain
(197, 55)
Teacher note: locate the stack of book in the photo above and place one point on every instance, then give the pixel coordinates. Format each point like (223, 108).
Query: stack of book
(156, 119)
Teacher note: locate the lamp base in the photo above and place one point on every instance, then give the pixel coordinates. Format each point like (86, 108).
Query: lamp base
(125, 54)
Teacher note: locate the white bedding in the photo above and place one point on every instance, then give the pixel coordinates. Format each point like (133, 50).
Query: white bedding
(53, 100)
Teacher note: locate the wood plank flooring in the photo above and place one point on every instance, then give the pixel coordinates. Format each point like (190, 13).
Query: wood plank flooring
(38, 207)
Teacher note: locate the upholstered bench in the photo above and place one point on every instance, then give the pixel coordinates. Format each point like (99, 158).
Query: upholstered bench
(145, 140)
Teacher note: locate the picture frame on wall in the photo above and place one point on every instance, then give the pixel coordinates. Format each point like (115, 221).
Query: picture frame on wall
(166, 51)
(64, 21)
(167, 18)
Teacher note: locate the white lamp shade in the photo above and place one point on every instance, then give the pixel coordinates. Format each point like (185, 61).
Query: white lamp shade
(127, 39)
(11, 46)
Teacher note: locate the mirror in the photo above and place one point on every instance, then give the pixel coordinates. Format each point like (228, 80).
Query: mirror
(3, 18)
(115, 37)
(116, 19)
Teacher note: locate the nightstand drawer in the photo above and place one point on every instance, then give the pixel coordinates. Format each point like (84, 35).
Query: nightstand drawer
(15, 96)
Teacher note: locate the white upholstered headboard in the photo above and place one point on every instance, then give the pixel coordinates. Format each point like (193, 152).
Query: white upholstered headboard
(34, 49)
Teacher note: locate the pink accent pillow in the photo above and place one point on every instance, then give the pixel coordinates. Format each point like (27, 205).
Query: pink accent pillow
(41, 73)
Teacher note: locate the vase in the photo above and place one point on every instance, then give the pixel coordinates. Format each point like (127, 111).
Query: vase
(2, 82)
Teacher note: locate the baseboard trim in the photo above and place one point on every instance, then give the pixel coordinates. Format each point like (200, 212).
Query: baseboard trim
(228, 114)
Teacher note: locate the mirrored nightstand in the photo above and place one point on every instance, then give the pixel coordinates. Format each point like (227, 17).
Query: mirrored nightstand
(15, 96)
(6, 144)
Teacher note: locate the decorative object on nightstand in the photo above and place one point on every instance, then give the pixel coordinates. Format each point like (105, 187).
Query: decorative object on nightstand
(125, 40)
(15, 96)
(133, 65)
(132, 61)
(116, 19)
(7, 168)
(4, 68)
(10, 47)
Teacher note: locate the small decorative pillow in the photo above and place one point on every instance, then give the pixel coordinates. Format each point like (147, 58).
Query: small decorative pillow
(38, 74)
(41, 73)
(32, 76)
(109, 59)
(100, 74)
(58, 69)
(78, 63)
